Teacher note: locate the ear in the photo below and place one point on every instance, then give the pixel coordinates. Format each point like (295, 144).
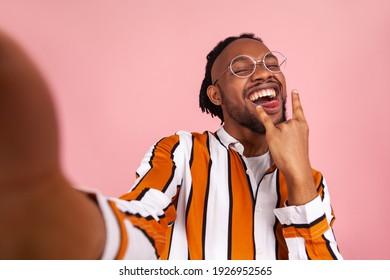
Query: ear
(214, 95)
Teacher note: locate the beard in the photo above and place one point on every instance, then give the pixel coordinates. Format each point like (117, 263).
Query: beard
(244, 117)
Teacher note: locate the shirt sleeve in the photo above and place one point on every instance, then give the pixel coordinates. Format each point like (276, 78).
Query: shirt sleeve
(307, 229)
(126, 240)
(148, 209)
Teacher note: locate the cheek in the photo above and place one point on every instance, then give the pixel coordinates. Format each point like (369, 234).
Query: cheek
(282, 81)
(234, 89)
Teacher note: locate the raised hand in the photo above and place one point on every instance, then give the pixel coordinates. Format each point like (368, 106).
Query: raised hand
(288, 143)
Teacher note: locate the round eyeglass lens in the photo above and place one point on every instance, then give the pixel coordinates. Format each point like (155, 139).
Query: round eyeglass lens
(274, 61)
(242, 66)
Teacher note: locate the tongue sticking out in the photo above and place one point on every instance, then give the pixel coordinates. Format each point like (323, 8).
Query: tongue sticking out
(270, 107)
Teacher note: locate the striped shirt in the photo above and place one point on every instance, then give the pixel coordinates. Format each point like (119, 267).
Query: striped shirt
(197, 189)
(125, 239)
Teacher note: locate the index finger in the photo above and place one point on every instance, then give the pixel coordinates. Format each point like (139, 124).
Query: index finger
(297, 110)
(265, 119)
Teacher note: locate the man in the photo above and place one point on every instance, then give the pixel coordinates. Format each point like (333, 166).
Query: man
(248, 190)
(195, 189)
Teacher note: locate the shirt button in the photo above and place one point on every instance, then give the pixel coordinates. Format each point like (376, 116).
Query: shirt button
(259, 251)
(258, 209)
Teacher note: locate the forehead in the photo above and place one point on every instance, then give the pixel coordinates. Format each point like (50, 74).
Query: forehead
(246, 46)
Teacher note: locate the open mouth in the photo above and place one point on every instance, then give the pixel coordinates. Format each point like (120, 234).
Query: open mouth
(267, 96)
(264, 94)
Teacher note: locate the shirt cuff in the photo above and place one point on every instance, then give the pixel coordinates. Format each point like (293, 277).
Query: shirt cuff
(302, 214)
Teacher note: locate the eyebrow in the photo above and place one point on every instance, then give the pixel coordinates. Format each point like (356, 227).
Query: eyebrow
(242, 56)
(272, 56)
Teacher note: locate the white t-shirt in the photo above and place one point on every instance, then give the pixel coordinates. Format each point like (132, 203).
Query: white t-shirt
(259, 165)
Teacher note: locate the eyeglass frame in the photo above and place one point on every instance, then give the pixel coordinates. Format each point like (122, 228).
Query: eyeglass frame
(255, 62)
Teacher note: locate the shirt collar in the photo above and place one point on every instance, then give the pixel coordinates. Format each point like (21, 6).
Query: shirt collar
(229, 141)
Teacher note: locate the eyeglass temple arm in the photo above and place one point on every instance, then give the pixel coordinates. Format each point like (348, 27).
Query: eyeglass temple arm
(221, 76)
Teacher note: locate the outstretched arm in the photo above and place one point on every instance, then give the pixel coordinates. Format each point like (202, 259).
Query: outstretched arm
(41, 215)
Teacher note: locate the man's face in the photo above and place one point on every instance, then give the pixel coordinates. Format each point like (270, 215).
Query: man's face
(240, 96)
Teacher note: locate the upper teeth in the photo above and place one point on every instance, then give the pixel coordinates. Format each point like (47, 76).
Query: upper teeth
(269, 92)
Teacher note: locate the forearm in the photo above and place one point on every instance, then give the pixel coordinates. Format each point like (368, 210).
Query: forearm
(301, 186)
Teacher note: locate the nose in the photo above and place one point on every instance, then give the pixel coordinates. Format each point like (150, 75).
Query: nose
(261, 73)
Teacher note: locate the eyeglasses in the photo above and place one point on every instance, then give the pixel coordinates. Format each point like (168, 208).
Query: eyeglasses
(243, 66)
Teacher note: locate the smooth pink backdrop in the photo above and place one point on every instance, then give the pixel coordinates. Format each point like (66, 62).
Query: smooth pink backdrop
(126, 73)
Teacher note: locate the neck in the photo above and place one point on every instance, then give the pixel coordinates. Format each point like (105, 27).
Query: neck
(255, 144)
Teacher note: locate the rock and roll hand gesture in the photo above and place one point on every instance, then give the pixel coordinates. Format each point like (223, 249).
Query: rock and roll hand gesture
(288, 144)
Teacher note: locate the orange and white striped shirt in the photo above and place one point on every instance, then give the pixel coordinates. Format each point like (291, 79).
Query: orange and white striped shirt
(198, 192)
(125, 239)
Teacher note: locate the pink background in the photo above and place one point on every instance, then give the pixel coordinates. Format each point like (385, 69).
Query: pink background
(126, 73)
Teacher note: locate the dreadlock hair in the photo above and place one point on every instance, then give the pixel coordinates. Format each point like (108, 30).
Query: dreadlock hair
(204, 102)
